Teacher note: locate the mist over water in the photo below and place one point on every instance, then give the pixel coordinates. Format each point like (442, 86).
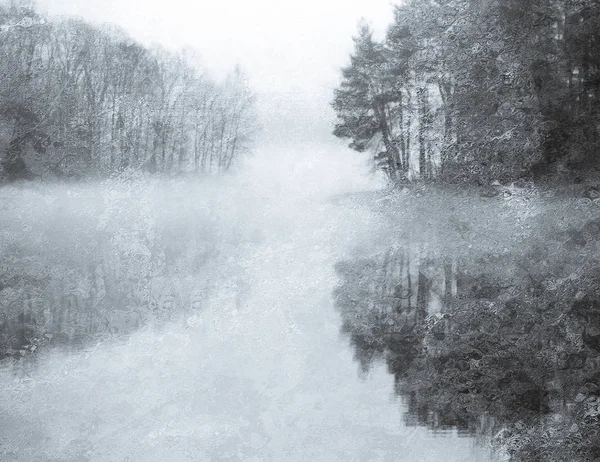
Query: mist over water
(194, 266)
(259, 371)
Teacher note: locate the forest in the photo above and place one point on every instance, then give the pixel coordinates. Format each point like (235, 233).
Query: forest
(473, 92)
(79, 101)
(484, 302)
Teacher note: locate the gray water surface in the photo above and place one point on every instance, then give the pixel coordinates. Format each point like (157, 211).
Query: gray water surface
(259, 372)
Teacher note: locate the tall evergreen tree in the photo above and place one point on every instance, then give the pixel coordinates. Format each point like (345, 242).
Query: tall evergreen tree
(362, 99)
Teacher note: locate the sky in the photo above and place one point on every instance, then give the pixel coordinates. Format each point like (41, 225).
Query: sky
(291, 51)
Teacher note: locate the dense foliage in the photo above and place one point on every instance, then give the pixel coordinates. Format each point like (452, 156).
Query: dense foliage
(80, 101)
(477, 91)
(488, 324)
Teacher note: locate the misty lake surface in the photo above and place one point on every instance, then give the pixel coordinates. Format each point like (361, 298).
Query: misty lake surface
(259, 371)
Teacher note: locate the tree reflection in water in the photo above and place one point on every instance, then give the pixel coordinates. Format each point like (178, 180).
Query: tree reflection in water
(504, 345)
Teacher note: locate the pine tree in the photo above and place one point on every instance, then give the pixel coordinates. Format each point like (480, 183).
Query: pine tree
(361, 102)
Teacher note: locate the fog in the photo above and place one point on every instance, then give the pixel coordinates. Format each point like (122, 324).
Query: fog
(290, 52)
(256, 370)
(193, 267)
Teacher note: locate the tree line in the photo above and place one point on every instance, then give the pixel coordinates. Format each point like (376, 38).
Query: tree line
(81, 101)
(476, 91)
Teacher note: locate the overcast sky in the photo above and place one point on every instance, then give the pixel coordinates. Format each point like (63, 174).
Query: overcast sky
(291, 50)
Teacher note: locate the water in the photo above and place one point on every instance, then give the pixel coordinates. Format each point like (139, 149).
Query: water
(260, 371)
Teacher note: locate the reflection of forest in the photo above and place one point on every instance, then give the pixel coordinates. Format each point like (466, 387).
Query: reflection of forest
(501, 344)
(99, 262)
(82, 299)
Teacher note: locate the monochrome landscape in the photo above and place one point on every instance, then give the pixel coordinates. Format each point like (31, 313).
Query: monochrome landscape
(329, 231)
